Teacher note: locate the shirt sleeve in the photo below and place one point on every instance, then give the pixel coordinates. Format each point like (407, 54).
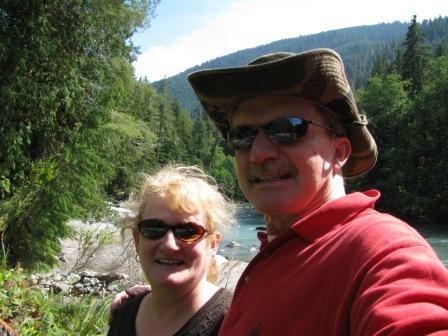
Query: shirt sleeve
(404, 292)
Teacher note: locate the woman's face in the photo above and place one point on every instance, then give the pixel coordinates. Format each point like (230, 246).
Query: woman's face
(169, 261)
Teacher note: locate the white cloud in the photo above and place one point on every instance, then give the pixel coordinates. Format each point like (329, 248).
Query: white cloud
(249, 23)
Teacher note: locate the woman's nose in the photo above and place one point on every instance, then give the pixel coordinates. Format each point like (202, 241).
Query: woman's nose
(169, 241)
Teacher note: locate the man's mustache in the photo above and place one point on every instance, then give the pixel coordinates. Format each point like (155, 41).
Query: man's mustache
(270, 169)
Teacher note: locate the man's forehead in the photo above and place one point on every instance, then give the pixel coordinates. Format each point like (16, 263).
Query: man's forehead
(264, 108)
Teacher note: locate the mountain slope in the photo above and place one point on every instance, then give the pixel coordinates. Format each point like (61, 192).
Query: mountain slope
(358, 46)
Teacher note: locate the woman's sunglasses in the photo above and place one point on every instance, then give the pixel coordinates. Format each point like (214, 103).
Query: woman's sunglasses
(282, 131)
(154, 229)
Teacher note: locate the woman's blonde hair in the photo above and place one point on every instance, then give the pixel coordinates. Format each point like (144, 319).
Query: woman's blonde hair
(186, 189)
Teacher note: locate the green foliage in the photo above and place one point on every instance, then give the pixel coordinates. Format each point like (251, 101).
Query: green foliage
(33, 312)
(429, 154)
(414, 56)
(410, 129)
(381, 67)
(85, 317)
(130, 146)
(223, 169)
(56, 77)
(386, 102)
(78, 129)
(90, 241)
(70, 185)
(65, 68)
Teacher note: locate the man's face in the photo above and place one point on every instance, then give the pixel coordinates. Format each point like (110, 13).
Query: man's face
(289, 179)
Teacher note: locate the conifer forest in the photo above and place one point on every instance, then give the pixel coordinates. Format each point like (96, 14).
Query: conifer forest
(77, 129)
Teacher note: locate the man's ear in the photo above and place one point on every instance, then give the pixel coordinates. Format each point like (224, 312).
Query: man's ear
(342, 151)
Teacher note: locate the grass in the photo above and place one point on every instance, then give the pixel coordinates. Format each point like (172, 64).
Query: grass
(30, 311)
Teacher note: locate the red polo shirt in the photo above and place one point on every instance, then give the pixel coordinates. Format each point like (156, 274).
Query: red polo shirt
(345, 269)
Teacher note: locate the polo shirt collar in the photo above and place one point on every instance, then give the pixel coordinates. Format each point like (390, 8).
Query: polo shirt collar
(334, 214)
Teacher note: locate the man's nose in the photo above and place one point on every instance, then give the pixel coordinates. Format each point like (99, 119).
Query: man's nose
(262, 148)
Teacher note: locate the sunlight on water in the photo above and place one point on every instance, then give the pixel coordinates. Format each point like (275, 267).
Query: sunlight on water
(244, 235)
(437, 237)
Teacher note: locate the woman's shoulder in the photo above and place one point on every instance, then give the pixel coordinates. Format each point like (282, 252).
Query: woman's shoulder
(123, 321)
(208, 319)
(132, 304)
(222, 296)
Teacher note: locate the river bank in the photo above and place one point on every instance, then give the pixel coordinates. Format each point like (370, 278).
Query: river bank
(98, 248)
(114, 256)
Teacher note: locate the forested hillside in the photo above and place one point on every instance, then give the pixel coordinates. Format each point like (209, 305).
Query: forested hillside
(358, 46)
(77, 129)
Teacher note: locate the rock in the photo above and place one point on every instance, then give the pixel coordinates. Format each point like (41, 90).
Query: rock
(232, 244)
(111, 277)
(63, 258)
(122, 212)
(229, 274)
(73, 278)
(78, 286)
(220, 260)
(89, 274)
(87, 282)
(83, 290)
(45, 283)
(34, 279)
(112, 288)
(61, 287)
(57, 277)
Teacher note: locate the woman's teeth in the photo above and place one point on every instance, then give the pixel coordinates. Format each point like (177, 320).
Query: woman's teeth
(169, 262)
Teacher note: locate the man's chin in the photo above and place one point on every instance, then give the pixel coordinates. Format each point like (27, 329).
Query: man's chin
(269, 207)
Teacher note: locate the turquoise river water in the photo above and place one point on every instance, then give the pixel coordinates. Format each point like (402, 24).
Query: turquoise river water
(244, 234)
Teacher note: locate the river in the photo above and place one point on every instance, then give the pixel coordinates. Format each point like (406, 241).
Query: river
(244, 234)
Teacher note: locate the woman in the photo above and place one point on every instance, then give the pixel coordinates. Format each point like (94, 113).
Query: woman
(176, 239)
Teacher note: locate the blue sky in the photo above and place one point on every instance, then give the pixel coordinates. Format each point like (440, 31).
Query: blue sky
(185, 33)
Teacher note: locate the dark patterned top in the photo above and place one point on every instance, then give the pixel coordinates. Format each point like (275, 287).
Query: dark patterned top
(6, 330)
(205, 322)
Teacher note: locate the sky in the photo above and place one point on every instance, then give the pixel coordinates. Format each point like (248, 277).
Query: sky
(185, 33)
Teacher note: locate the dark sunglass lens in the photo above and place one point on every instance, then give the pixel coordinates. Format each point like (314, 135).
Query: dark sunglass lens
(242, 137)
(189, 232)
(287, 130)
(153, 229)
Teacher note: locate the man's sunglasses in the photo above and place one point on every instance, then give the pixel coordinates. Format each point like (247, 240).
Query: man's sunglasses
(154, 229)
(282, 131)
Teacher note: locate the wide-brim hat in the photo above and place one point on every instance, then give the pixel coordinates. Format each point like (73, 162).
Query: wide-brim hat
(317, 75)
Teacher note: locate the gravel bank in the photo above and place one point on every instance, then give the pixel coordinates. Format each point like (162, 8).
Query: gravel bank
(119, 257)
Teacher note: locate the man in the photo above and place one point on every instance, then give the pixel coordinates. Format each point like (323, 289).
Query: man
(329, 263)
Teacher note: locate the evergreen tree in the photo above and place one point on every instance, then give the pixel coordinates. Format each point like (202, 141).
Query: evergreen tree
(414, 56)
(62, 65)
(386, 103)
(429, 152)
(381, 67)
(167, 149)
(183, 132)
(441, 49)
